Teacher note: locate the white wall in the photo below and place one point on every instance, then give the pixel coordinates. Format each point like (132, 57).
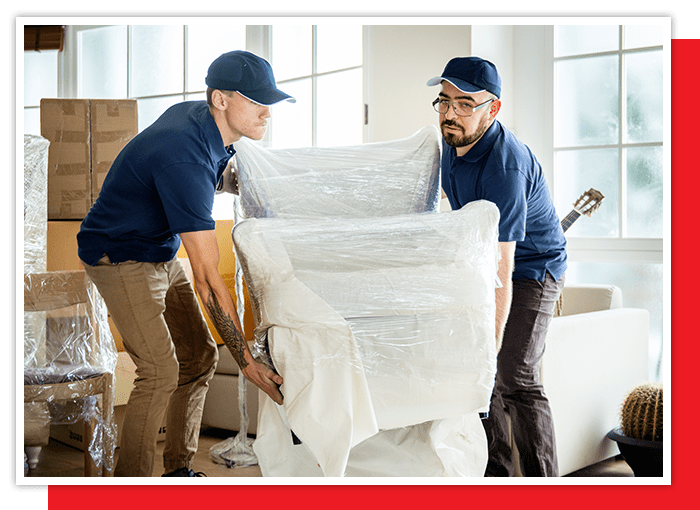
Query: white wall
(519, 52)
(402, 59)
(495, 44)
(532, 104)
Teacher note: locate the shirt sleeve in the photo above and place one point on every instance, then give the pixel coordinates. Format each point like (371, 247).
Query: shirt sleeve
(187, 193)
(508, 190)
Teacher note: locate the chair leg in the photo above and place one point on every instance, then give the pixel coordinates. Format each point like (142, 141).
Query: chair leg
(32, 453)
(109, 443)
(90, 467)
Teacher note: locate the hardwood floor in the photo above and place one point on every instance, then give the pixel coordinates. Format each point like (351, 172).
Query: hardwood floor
(60, 460)
(614, 466)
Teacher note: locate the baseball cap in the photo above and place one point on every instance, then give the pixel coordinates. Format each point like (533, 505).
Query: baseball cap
(247, 74)
(470, 74)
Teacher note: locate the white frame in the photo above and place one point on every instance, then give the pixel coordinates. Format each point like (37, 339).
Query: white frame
(620, 248)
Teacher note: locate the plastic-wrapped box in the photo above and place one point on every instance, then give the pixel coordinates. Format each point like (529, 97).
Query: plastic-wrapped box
(374, 323)
(36, 153)
(36, 161)
(70, 361)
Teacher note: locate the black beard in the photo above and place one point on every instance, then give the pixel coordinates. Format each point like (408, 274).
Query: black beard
(455, 140)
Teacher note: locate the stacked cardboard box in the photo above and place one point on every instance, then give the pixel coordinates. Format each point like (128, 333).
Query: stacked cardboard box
(85, 137)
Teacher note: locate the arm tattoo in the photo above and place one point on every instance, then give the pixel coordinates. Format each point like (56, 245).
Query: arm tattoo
(227, 329)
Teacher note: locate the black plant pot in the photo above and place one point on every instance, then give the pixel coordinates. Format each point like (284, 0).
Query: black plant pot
(646, 458)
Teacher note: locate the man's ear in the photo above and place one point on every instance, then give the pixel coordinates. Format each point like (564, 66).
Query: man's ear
(495, 108)
(219, 99)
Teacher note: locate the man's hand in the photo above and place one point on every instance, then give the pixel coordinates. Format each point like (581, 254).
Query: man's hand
(265, 379)
(229, 182)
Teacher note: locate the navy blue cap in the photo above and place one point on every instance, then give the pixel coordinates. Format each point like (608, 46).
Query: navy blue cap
(470, 74)
(247, 74)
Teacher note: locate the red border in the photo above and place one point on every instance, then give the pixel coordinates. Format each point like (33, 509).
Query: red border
(685, 183)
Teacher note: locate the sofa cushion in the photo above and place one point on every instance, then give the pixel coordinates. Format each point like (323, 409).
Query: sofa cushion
(585, 298)
(227, 365)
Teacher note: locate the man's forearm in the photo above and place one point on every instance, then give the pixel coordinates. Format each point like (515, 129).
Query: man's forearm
(504, 294)
(504, 297)
(227, 329)
(230, 331)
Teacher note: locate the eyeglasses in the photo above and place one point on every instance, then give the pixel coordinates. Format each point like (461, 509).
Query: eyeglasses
(460, 109)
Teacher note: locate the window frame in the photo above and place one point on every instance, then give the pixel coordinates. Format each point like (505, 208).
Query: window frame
(258, 41)
(261, 40)
(621, 248)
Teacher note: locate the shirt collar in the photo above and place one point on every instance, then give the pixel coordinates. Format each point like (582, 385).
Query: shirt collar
(483, 144)
(213, 136)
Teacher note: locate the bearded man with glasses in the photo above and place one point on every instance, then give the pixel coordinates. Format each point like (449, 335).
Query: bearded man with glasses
(482, 160)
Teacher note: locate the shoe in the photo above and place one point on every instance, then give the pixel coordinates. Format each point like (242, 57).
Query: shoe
(186, 472)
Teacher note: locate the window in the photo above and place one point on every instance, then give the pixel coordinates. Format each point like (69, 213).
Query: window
(609, 135)
(609, 126)
(160, 65)
(102, 62)
(321, 66)
(40, 81)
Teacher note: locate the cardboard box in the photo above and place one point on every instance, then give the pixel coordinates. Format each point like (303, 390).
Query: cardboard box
(125, 374)
(85, 137)
(73, 435)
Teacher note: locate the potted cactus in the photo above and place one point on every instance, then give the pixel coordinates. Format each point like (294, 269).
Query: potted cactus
(640, 438)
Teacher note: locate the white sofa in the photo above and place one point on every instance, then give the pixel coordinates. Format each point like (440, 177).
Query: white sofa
(596, 352)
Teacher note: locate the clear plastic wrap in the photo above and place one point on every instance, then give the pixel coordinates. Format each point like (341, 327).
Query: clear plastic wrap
(375, 324)
(377, 179)
(70, 361)
(237, 451)
(370, 180)
(36, 162)
(377, 310)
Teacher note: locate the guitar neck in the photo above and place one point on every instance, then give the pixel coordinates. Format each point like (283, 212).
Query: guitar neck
(570, 219)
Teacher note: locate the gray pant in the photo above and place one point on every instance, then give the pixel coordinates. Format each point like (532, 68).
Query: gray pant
(155, 309)
(518, 389)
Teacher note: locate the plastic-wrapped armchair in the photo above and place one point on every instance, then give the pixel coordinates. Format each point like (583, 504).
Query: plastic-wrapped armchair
(358, 181)
(382, 329)
(69, 364)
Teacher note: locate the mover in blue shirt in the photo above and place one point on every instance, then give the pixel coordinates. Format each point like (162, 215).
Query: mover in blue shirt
(482, 160)
(160, 192)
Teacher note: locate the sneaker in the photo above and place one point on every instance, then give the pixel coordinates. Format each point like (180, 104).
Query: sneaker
(186, 472)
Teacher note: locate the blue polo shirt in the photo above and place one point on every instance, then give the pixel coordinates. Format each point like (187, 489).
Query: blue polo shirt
(501, 169)
(161, 184)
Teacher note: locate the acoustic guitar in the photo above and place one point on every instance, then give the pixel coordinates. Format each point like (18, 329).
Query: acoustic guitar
(587, 204)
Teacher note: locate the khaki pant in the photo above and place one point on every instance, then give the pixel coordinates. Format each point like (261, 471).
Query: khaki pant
(155, 309)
